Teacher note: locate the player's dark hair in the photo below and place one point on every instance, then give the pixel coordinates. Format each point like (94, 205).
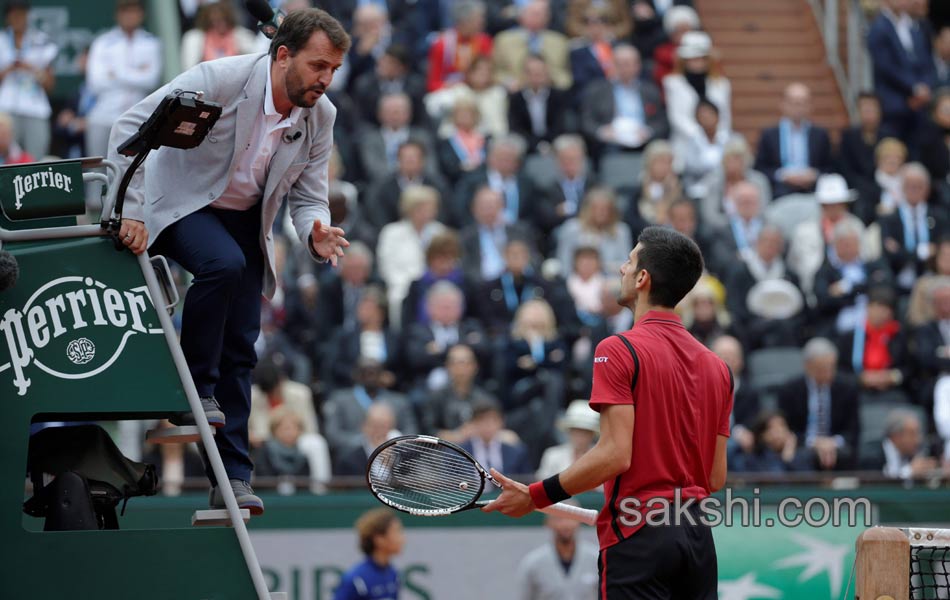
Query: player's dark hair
(299, 25)
(371, 524)
(673, 261)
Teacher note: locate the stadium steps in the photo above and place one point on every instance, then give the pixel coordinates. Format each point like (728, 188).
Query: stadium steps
(764, 45)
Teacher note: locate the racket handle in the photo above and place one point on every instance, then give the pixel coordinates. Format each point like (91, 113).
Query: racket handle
(575, 513)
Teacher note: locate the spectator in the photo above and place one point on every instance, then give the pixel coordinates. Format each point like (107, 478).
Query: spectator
(271, 390)
(856, 155)
(428, 341)
(941, 57)
(454, 49)
(174, 463)
(580, 424)
(502, 172)
(677, 22)
(746, 222)
(372, 35)
(442, 264)
(934, 140)
(876, 350)
(480, 86)
(775, 449)
(573, 180)
(585, 284)
(463, 150)
(842, 282)
(812, 238)
(216, 34)
(538, 112)
(342, 292)
(382, 198)
(125, 65)
(597, 225)
(745, 399)
(305, 326)
(919, 309)
(483, 242)
(659, 188)
(564, 568)
(696, 77)
(714, 192)
(683, 218)
(402, 244)
(908, 232)
(532, 37)
(704, 311)
(701, 154)
(381, 538)
(487, 443)
(932, 355)
(392, 75)
(10, 152)
(448, 409)
(369, 337)
(822, 407)
(279, 455)
(26, 77)
(379, 147)
(346, 410)
(592, 56)
(903, 70)
(890, 155)
(615, 15)
(795, 152)
(901, 454)
(757, 269)
(624, 112)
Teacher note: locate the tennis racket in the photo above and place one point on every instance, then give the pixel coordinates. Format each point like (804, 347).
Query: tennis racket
(429, 477)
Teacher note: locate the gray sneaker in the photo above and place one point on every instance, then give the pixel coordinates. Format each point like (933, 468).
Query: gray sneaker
(243, 493)
(212, 411)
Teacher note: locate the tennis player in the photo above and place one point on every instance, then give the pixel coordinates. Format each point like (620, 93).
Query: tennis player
(664, 401)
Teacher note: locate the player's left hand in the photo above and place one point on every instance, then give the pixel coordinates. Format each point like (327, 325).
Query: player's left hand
(328, 241)
(514, 501)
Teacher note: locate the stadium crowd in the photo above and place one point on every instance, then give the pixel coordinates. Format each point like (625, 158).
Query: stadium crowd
(494, 164)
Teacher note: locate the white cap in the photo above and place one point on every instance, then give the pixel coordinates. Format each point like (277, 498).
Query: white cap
(694, 44)
(580, 415)
(833, 189)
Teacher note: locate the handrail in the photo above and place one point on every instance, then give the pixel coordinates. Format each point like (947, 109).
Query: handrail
(851, 71)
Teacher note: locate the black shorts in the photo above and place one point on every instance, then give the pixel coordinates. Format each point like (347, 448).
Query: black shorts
(661, 563)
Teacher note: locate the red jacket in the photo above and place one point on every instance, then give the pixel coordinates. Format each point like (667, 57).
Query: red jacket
(445, 63)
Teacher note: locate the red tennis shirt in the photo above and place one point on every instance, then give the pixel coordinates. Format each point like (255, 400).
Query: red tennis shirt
(682, 394)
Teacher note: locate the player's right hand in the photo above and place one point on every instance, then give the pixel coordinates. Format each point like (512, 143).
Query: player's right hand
(134, 235)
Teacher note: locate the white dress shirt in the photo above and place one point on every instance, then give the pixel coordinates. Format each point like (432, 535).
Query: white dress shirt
(20, 92)
(903, 24)
(247, 182)
(537, 102)
(121, 71)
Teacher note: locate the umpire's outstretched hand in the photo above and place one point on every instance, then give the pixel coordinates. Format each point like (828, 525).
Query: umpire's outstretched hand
(328, 241)
(514, 501)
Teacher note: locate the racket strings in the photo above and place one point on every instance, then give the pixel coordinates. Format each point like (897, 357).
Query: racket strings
(424, 478)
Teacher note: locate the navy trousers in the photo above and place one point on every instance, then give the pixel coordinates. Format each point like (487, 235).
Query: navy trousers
(221, 318)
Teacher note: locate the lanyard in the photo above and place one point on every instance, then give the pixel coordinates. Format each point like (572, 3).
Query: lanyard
(511, 295)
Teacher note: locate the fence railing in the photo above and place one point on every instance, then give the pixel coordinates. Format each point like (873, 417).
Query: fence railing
(843, 25)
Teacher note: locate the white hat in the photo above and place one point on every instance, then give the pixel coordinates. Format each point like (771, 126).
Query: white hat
(694, 44)
(774, 299)
(833, 189)
(580, 415)
(676, 16)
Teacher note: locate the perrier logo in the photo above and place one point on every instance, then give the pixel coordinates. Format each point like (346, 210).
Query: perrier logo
(23, 185)
(72, 327)
(42, 190)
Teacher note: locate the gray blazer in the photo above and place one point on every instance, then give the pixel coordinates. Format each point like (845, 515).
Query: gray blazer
(174, 183)
(598, 108)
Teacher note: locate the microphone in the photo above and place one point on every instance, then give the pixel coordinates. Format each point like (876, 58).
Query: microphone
(269, 20)
(9, 271)
(292, 137)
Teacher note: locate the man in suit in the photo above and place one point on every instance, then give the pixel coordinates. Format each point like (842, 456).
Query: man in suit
(483, 242)
(822, 407)
(910, 233)
(941, 58)
(901, 454)
(856, 159)
(448, 409)
(212, 209)
(592, 55)
(903, 70)
(378, 425)
(382, 198)
(379, 147)
(487, 444)
(745, 399)
(624, 112)
(538, 112)
(513, 46)
(392, 75)
(341, 290)
(502, 172)
(931, 344)
(795, 152)
(572, 182)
